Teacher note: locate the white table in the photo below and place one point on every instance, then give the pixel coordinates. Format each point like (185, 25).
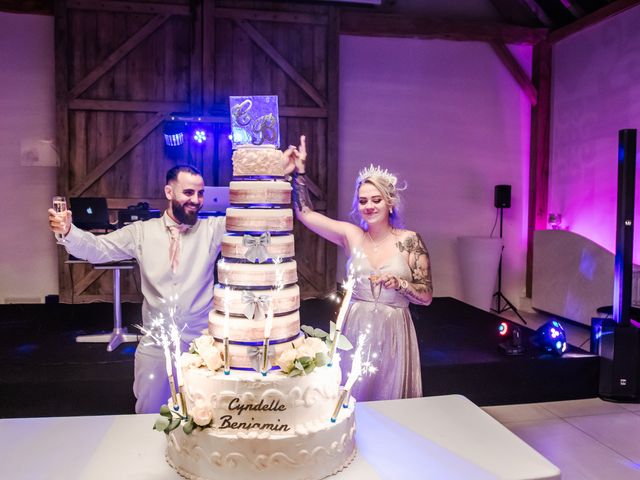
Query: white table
(445, 437)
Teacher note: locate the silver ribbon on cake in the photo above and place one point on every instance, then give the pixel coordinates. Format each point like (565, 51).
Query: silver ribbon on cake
(255, 356)
(257, 247)
(256, 306)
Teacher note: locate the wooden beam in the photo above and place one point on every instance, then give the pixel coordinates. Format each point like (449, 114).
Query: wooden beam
(519, 75)
(264, 44)
(271, 16)
(82, 284)
(412, 26)
(123, 203)
(34, 7)
(118, 54)
(61, 32)
(120, 151)
(130, 7)
(575, 9)
(308, 112)
(516, 13)
(594, 18)
(127, 106)
(537, 10)
(539, 151)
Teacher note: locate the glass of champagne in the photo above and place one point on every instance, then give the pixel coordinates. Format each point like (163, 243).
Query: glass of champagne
(376, 288)
(60, 207)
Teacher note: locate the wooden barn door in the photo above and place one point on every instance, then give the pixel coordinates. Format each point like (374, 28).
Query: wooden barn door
(123, 67)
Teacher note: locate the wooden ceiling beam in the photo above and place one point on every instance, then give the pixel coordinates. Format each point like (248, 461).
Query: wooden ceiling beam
(516, 13)
(518, 73)
(608, 11)
(575, 9)
(355, 22)
(36, 7)
(537, 10)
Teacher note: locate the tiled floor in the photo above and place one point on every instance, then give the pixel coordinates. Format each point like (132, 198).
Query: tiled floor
(585, 439)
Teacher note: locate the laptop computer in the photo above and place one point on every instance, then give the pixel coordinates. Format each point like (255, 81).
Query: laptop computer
(216, 199)
(90, 213)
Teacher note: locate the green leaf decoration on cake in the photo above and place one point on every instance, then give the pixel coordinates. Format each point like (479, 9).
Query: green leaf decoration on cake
(161, 424)
(189, 425)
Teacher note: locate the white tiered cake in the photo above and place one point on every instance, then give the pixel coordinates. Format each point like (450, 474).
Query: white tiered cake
(249, 424)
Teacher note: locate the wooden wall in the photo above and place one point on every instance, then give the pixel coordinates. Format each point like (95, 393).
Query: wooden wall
(122, 68)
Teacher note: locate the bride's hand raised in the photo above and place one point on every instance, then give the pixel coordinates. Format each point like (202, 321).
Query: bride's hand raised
(296, 157)
(390, 281)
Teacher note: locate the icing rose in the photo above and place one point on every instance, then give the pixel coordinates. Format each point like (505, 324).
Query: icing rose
(201, 413)
(316, 345)
(203, 343)
(212, 357)
(286, 359)
(189, 360)
(305, 350)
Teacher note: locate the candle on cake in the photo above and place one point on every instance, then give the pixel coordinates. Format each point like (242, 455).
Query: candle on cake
(225, 331)
(354, 374)
(348, 286)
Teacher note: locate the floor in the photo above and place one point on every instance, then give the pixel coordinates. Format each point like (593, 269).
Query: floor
(586, 439)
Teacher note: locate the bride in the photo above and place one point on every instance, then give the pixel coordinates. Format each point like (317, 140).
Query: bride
(389, 261)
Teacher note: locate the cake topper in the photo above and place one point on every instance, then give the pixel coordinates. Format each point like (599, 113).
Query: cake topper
(254, 120)
(372, 171)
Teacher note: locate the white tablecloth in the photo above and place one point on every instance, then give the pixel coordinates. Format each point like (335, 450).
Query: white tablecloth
(446, 437)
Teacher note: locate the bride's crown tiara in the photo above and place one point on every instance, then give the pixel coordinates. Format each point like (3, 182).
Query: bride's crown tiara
(372, 171)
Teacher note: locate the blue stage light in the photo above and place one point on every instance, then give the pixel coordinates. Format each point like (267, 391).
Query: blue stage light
(551, 338)
(200, 136)
(173, 133)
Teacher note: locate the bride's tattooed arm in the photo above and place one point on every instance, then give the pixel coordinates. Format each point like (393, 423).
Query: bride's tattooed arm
(420, 290)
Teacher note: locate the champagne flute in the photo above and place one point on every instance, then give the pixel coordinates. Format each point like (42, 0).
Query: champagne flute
(60, 207)
(376, 288)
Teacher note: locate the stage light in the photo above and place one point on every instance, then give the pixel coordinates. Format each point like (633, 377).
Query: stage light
(173, 134)
(551, 338)
(503, 329)
(199, 136)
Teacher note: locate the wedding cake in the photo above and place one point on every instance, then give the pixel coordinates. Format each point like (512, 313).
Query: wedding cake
(249, 416)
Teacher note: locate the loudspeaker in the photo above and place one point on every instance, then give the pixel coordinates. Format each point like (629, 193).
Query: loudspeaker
(619, 339)
(619, 349)
(502, 196)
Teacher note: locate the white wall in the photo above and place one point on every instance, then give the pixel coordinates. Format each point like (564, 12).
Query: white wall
(27, 113)
(596, 92)
(449, 119)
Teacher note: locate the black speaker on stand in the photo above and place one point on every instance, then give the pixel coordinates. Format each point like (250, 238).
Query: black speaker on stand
(618, 341)
(502, 200)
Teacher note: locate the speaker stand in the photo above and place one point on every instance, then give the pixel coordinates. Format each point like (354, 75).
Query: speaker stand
(499, 296)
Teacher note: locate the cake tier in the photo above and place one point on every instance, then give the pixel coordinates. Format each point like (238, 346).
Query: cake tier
(259, 220)
(260, 192)
(244, 247)
(254, 303)
(296, 405)
(255, 161)
(247, 357)
(257, 274)
(242, 329)
(213, 454)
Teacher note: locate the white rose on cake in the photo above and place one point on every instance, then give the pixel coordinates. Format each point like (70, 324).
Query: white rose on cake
(212, 358)
(305, 350)
(203, 342)
(201, 413)
(316, 345)
(286, 360)
(190, 360)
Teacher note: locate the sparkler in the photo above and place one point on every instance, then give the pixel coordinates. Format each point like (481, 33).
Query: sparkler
(354, 374)
(268, 322)
(225, 329)
(349, 284)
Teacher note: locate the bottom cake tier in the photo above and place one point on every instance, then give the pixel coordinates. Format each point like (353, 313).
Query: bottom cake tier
(210, 454)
